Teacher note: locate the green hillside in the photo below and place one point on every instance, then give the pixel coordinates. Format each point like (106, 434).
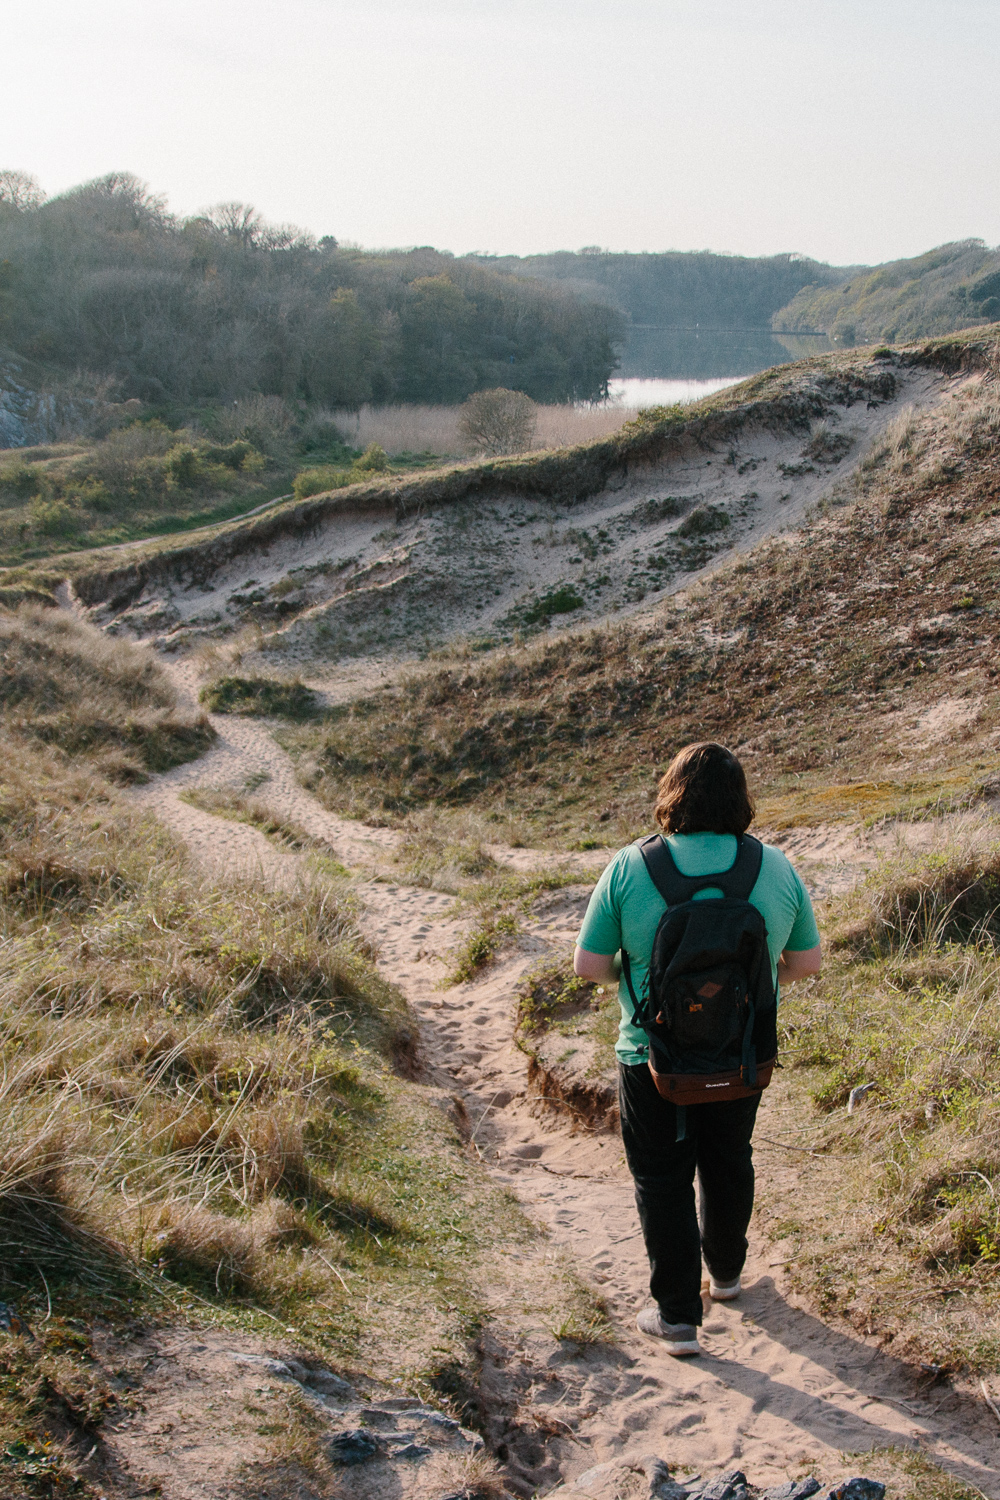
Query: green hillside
(955, 286)
(678, 289)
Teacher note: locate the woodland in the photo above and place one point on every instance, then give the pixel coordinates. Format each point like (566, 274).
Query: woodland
(178, 313)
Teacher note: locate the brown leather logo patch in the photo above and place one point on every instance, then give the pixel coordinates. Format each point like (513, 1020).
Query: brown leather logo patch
(709, 989)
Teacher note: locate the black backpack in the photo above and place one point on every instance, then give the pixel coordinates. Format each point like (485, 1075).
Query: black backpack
(709, 1009)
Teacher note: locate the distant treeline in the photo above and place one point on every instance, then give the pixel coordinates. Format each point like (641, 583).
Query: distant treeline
(666, 297)
(954, 286)
(104, 279)
(678, 289)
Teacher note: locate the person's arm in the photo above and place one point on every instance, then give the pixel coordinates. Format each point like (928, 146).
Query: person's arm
(799, 964)
(599, 968)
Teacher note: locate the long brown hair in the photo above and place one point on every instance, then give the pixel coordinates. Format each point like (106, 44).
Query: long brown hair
(704, 790)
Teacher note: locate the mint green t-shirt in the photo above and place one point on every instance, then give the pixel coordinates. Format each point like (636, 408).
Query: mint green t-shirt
(625, 911)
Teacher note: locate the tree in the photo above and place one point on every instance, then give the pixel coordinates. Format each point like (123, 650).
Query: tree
(498, 421)
(237, 221)
(19, 189)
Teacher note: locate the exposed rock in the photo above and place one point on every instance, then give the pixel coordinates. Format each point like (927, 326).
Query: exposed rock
(857, 1489)
(321, 1382)
(266, 1365)
(378, 1417)
(661, 1485)
(725, 1487)
(794, 1489)
(354, 1447)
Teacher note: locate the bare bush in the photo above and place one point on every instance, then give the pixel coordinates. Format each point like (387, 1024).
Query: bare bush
(20, 189)
(264, 421)
(498, 421)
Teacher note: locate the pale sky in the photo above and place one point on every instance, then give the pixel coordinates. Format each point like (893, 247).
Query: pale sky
(850, 130)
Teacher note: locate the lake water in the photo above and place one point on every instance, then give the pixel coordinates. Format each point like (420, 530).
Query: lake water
(639, 392)
(650, 353)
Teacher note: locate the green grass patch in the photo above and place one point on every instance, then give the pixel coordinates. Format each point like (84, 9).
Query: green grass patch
(554, 1000)
(559, 601)
(266, 696)
(224, 802)
(500, 905)
(811, 802)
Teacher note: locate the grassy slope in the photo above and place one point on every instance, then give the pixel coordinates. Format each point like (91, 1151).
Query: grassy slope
(204, 1107)
(85, 695)
(894, 1223)
(934, 293)
(810, 658)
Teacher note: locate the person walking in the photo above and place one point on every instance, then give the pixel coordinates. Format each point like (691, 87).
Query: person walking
(703, 808)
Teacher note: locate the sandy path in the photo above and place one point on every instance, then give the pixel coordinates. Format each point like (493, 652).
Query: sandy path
(776, 1390)
(246, 750)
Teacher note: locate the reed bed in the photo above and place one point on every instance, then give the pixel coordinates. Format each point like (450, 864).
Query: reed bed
(435, 429)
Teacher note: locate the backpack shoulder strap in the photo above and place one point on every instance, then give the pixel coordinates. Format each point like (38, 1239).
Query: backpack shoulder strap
(741, 877)
(739, 880)
(671, 884)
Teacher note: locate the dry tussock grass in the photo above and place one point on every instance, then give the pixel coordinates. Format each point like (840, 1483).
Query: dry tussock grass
(200, 1103)
(64, 684)
(198, 1097)
(166, 1044)
(446, 853)
(908, 1009)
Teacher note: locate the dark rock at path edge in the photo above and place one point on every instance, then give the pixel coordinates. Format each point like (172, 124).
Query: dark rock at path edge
(795, 1489)
(726, 1487)
(355, 1447)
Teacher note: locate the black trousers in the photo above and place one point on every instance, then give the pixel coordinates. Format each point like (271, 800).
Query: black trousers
(717, 1143)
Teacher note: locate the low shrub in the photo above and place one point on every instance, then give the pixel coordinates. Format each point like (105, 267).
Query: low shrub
(703, 520)
(498, 422)
(54, 517)
(373, 460)
(232, 455)
(317, 481)
(260, 695)
(182, 466)
(558, 601)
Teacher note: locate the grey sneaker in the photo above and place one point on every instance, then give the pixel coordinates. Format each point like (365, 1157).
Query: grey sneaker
(680, 1338)
(724, 1291)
